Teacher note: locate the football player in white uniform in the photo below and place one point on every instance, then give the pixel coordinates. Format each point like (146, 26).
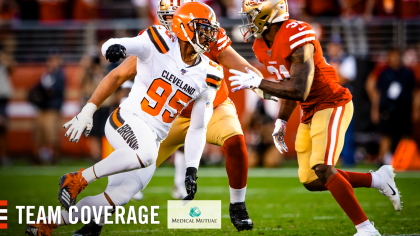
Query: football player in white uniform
(172, 73)
(224, 128)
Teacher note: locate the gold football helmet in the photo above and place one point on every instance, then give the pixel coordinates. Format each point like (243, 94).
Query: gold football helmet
(168, 8)
(258, 15)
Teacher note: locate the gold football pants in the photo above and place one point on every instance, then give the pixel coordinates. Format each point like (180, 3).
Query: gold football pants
(321, 140)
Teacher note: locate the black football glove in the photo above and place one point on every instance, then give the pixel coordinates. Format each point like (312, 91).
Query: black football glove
(115, 52)
(191, 183)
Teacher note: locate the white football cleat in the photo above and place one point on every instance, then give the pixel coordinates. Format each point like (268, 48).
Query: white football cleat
(138, 196)
(368, 231)
(388, 187)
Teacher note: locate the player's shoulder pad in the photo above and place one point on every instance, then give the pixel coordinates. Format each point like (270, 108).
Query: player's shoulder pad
(294, 29)
(296, 33)
(214, 75)
(161, 38)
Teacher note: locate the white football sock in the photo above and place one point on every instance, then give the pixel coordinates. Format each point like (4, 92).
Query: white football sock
(180, 170)
(89, 174)
(97, 201)
(120, 160)
(366, 225)
(376, 180)
(237, 195)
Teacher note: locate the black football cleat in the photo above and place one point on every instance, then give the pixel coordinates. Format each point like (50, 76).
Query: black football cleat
(239, 216)
(91, 229)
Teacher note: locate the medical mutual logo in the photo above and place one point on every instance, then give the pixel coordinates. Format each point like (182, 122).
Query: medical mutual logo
(194, 214)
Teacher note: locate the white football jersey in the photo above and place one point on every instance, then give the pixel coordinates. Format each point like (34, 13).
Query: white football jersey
(164, 84)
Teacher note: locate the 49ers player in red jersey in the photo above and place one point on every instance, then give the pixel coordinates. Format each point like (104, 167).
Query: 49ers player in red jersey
(291, 51)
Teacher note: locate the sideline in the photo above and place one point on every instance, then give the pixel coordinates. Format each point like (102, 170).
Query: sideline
(218, 172)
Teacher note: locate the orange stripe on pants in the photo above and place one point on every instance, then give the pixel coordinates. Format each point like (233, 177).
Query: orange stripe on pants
(115, 118)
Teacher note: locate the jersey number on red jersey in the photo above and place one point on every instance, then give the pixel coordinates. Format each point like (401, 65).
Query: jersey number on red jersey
(283, 71)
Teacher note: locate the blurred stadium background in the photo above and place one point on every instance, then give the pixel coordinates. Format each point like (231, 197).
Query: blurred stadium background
(50, 64)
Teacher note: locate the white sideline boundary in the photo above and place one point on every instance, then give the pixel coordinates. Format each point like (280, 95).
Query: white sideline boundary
(219, 172)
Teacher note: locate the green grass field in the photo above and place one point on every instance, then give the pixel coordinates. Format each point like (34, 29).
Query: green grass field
(277, 203)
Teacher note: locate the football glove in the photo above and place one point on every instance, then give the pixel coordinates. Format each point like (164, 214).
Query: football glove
(249, 80)
(278, 135)
(81, 122)
(191, 183)
(115, 52)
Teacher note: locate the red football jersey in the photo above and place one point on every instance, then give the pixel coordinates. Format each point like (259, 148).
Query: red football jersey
(223, 41)
(325, 91)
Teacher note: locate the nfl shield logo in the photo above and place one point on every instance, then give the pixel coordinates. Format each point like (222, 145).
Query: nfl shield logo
(269, 53)
(183, 71)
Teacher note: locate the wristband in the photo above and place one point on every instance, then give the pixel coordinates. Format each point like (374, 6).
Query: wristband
(279, 122)
(89, 109)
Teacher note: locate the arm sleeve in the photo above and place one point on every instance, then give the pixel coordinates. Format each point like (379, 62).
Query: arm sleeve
(139, 46)
(127, 84)
(196, 134)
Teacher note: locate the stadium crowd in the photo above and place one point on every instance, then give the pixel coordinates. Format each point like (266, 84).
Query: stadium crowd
(55, 10)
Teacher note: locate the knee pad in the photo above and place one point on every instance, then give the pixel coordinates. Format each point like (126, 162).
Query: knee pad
(122, 194)
(307, 176)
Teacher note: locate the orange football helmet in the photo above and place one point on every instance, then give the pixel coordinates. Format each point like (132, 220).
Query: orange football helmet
(258, 15)
(167, 8)
(194, 20)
